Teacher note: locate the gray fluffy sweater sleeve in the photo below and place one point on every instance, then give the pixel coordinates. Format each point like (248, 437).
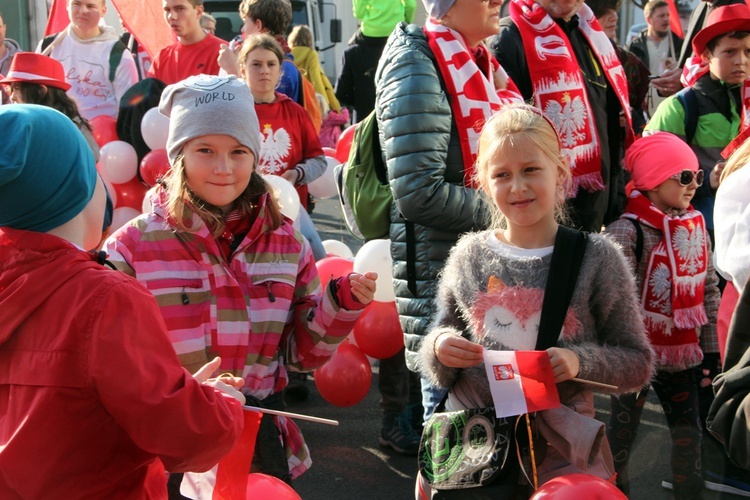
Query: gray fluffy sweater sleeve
(603, 325)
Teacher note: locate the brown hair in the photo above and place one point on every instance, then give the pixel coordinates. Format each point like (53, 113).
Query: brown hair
(301, 36)
(651, 6)
(508, 127)
(736, 35)
(258, 41)
(276, 15)
(52, 97)
(182, 202)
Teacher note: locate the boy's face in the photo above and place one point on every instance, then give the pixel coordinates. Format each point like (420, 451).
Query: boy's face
(182, 17)
(85, 14)
(670, 194)
(730, 60)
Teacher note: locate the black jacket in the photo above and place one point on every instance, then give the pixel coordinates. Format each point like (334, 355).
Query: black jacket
(355, 86)
(729, 416)
(639, 47)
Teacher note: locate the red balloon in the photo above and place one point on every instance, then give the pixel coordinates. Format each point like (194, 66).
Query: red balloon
(130, 194)
(333, 267)
(346, 378)
(154, 166)
(345, 143)
(329, 152)
(378, 331)
(576, 487)
(104, 129)
(265, 486)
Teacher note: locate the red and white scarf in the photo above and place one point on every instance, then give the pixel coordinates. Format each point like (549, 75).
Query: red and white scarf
(474, 97)
(693, 70)
(560, 89)
(675, 281)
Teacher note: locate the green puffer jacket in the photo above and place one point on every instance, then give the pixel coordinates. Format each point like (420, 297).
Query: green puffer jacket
(425, 169)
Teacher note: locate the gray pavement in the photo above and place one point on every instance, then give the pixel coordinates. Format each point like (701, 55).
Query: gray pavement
(348, 462)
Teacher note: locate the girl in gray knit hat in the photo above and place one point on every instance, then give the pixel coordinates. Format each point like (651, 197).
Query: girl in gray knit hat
(232, 276)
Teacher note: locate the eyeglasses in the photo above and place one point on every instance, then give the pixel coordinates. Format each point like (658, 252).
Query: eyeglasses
(686, 177)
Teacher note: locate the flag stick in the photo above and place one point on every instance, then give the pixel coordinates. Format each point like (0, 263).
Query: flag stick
(293, 415)
(533, 458)
(596, 384)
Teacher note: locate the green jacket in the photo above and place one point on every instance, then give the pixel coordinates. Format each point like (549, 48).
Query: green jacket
(425, 170)
(377, 18)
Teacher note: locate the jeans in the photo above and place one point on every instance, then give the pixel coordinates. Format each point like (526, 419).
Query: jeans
(432, 396)
(307, 228)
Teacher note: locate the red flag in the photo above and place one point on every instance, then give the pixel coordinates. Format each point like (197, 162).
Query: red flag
(57, 19)
(674, 19)
(521, 381)
(145, 20)
(227, 479)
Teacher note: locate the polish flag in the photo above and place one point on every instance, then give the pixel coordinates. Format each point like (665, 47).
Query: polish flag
(227, 479)
(57, 18)
(521, 382)
(674, 19)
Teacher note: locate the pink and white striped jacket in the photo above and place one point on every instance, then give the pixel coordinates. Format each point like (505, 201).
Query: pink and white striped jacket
(262, 312)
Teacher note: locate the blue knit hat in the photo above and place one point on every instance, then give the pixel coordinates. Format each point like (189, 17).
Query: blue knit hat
(47, 171)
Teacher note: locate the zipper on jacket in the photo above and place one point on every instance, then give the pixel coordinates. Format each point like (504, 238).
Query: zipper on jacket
(270, 293)
(185, 298)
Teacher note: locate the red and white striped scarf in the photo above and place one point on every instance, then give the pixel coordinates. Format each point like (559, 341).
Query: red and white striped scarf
(560, 89)
(474, 98)
(675, 281)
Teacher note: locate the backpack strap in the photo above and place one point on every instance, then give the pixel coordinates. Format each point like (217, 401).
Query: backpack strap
(638, 239)
(115, 56)
(689, 102)
(47, 40)
(567, 257)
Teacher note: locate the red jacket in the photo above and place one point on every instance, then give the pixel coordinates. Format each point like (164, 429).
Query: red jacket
(91, 392)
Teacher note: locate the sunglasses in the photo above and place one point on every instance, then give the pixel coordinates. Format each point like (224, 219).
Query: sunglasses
(686, 177)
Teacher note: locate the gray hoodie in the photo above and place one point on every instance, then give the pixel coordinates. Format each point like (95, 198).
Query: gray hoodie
(12, 47)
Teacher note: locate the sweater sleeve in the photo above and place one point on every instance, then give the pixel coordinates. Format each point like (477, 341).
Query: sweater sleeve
(618, 351)
(709, 339)
(318, 324)
(135, 371)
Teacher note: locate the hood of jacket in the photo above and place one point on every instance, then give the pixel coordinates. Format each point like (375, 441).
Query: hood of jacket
(33, 266)
(107, 34)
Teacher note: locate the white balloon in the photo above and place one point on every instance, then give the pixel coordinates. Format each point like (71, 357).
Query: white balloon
(286, 194)
(155, 129)
(375, 255)
(338, 248)
(122, 216)
(325, 185)
(118, 162)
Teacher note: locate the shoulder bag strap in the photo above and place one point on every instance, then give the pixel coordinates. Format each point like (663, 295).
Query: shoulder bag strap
(570, 245)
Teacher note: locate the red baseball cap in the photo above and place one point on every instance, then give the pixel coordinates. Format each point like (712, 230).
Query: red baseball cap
(721, 20)
(35, 68)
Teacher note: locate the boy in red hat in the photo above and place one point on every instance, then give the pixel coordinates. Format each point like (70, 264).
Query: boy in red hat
(708, 116)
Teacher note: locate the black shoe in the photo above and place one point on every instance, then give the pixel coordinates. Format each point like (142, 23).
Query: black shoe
(398, 433)
(297, 388)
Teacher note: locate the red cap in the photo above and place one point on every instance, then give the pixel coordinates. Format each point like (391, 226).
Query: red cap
(35, 68)
(721, 20)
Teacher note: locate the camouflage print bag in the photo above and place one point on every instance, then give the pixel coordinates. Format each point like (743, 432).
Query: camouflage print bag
(468, 449)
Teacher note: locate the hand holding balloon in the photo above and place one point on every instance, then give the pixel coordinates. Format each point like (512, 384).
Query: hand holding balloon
(363, 286)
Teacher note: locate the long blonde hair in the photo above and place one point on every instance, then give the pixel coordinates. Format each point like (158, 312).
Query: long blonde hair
(512, 124)
(182, 202)
(738, 159)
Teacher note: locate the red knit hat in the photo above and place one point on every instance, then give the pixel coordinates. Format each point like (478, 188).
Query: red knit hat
(722, 20)
(35, 68)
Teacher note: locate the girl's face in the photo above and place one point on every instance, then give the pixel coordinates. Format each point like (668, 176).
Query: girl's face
(670, 194)
(523, 183)
(262, 72)
(218, 169)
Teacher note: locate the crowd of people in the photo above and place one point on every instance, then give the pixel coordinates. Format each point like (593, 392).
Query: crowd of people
(528, 156)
